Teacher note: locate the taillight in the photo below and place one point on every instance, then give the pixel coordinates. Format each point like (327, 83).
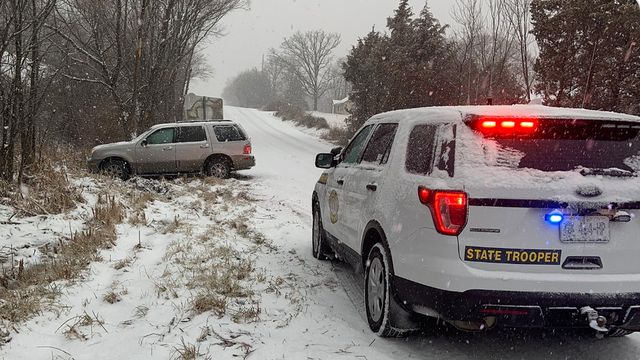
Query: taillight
(247, 149)
(448, 209)
(505, 126)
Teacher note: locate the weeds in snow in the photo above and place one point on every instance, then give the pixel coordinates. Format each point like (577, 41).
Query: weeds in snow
(28, 290)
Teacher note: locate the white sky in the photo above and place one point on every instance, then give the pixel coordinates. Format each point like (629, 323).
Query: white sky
(249, 34)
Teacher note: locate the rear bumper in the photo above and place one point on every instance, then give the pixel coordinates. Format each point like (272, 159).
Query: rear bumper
(243, 162)
(521, 308)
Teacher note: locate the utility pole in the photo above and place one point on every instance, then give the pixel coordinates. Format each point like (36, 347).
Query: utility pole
(204, 108)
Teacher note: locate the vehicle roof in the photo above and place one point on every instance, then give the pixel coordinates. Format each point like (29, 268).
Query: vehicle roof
(194, 123)
(446, 114)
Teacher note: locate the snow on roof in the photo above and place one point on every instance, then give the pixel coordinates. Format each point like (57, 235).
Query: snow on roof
(539, 111)
(340, 102)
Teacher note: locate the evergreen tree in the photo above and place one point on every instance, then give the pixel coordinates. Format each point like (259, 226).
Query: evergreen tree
(429, 52)
(365, 70)
(400, 67)
(588, 53)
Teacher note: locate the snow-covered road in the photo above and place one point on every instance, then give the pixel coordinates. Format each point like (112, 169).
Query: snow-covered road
(296, 307)
(285, 166)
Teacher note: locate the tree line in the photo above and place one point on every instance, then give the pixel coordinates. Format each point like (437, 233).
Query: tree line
(87, 70)
(571, 53)
(302, 72)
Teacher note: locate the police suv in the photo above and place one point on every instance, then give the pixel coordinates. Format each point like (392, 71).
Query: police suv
(513, 216)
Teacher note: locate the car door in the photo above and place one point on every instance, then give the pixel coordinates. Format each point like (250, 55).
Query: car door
(337, 200)
(365, 182)
(156, 154)
(192, 148)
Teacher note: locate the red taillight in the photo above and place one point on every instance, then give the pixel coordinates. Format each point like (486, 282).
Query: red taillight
(247, 149)
(505, 126)
(448, 209)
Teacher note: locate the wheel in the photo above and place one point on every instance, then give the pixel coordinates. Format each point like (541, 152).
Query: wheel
(117, 169)
(384, 314)
(619, 333)
(219, 168)
(320, 248)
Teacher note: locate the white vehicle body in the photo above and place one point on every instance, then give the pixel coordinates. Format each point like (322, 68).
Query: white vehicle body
(506, 262)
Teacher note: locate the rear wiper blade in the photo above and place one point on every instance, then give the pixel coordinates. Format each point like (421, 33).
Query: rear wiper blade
(608, 172)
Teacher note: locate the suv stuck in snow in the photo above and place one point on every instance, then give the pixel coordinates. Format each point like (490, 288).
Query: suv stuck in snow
(513, 216)
(213, 147)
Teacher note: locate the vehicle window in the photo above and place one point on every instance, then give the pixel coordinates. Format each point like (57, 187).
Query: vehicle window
(380, 144)
(226, 133)
(447, 149)
(420, 149)
(592, 147)
(353, 152)
(188, 134)
(162, 136)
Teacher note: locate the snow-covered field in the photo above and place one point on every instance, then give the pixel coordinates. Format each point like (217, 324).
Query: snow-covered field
(152, 295)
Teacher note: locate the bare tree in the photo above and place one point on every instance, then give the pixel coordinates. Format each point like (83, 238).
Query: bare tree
(309, 55)
(468, 14)
(21, 81)
(519, 17)
(141, 51)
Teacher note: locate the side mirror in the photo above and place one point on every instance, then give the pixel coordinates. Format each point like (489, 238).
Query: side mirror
(336, 151)
(144, 143)
(325, 161)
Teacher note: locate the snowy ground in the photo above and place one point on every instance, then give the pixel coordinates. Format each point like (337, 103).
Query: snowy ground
(294, 307)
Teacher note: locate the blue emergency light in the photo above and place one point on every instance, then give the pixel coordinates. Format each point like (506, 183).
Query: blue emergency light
(554, 217)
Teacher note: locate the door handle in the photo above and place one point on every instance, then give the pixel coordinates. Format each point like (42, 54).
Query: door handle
(167, 148)
(205, 146)
(372, 187)
(340, 181)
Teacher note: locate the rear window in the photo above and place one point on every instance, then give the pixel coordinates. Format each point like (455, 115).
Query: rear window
(186, 134)
(591, 147)
(226, 133)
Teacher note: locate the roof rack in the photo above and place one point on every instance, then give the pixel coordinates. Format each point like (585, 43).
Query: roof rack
(200, 120)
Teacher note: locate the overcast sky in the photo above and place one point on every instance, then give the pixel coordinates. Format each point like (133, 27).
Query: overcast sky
(250, 33)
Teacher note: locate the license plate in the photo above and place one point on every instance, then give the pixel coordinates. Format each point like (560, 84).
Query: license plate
(585, 229)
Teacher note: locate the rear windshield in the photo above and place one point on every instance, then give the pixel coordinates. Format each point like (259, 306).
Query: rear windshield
(591, 147)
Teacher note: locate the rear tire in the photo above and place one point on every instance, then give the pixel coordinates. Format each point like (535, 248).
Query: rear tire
(219, 167)
(117, 169)
(383, 312)
(319, 246)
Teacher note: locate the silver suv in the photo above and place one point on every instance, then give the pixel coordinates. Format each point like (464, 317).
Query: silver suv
(213, 147)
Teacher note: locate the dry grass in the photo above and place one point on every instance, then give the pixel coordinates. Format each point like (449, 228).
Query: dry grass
(121, 264)
(338, 136)
(26, 291)
(139, 203)
(46, 190)
(206, 302)
(186, 351)
(73, 327)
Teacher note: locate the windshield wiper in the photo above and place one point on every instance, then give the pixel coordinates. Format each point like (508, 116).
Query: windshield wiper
(608, 172)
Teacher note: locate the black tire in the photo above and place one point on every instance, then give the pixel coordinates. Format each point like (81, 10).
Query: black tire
(219, 167)
(116, 168)
(319, 247)
(619, 333)
(383, 312)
